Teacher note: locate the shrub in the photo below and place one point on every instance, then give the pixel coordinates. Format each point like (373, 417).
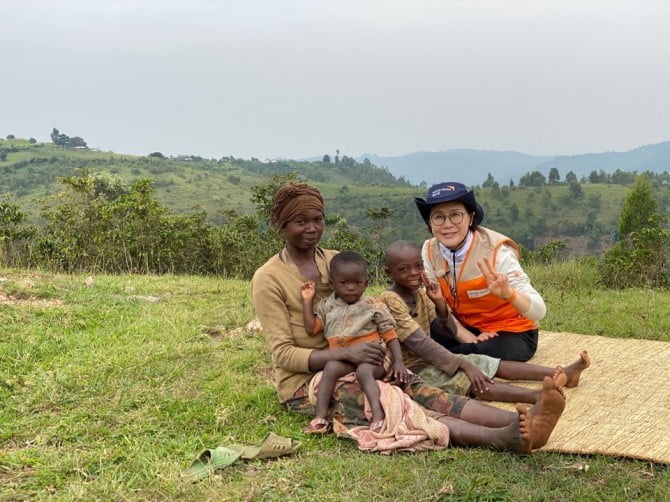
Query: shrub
(641, 257)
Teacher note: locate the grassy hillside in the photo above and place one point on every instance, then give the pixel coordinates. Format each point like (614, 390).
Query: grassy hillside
(109, 389)
(29, 172)
(32, 170)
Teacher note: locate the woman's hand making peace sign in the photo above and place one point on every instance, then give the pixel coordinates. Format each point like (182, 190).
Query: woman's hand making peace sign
(497, 282)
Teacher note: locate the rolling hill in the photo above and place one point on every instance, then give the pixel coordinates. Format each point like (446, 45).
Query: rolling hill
(29, 172)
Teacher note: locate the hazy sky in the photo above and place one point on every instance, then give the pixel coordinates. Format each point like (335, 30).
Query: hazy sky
(295, 78)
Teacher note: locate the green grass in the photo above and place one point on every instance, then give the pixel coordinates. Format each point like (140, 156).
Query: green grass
(105, 395)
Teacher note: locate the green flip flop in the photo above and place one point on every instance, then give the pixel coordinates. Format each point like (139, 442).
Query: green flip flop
(211, 460)
(271, 446)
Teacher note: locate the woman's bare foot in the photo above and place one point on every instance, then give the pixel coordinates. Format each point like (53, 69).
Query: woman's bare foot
(574, 371)
(546, 412)
(517, 436)
(525, 441)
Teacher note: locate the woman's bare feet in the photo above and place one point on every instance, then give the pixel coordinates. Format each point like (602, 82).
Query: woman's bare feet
(574, 371)
(546, 412)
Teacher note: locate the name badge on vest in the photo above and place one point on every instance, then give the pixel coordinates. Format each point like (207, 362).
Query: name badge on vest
(477, 293)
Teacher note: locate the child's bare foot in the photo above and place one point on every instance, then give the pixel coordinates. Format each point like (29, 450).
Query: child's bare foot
(377, 426)
(318, 425)
(560, 379)
(574, 371)
(377, 421)
(546, 412)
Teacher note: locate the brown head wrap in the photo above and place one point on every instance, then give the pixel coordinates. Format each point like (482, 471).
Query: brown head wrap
(291, 200)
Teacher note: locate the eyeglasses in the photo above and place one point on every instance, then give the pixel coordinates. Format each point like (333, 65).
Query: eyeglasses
(455, 217)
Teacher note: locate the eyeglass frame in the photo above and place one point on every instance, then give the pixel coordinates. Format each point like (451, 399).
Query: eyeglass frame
(449, 216)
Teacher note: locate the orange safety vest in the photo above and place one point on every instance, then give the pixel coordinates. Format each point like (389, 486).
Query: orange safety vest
(474, 305)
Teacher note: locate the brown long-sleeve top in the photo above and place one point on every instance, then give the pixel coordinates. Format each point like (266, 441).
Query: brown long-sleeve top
(276, 296)
(420, 319)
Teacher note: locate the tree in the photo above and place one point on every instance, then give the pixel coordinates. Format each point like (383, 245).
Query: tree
(571, 177)
(379, 217)
(642, 255)
(13, 234)
(638, 206)
(158, 155)
(575, 191)
(489, 181)
(66, 141)
(326, 159)
(599, 176)
(554, 176)
(514, 212)
(262, 195)
(622, 177)
(534, 179)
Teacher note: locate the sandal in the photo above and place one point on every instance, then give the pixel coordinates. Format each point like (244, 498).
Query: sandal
(317, 426)
(377, 426)
(210, 460)
(270, 446)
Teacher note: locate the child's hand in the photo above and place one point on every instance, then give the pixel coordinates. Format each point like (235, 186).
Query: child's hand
(486, 335)
(308, 290)
(433, 290)
(397, 374)
(480, 382)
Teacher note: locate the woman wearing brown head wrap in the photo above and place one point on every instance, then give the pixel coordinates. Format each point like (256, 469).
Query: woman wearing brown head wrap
(298, 212)
(291, 199)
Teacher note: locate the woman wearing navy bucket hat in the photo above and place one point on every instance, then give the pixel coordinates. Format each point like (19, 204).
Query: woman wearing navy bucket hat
(476, 271)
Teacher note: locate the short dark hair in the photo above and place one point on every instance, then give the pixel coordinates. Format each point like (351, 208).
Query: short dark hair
(348, 257)
(396, 246)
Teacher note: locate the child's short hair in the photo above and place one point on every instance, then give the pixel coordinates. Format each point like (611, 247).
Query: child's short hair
(396, 246)
(348, 257)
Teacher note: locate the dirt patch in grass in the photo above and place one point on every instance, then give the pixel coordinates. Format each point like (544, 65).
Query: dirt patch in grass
(265, 372)
(21, 298)
(252, 328)
(17, 291)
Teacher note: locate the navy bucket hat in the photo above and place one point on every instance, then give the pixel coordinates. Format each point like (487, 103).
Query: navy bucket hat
(450, 191)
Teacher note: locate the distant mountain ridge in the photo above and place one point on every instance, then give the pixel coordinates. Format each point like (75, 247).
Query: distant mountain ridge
(473, 166)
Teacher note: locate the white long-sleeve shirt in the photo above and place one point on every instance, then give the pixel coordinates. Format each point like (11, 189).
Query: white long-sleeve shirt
(506, 263)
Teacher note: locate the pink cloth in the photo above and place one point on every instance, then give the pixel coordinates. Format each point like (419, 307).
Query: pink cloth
(407, 427)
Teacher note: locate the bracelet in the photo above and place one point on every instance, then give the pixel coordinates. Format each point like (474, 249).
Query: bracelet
(511, 297)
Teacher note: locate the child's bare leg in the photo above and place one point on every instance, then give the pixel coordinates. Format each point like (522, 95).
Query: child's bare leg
(478, 413)
(331, 372)
(515, 436)
(547, 411)
(367, 375)
(509, 393)
(514, 370)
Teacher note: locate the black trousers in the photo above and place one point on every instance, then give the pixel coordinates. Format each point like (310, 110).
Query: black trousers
(507, 346)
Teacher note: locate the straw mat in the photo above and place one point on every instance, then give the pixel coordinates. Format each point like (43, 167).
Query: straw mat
(622, 404)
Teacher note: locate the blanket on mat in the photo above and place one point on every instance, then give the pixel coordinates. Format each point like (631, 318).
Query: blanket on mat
(407, 426)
